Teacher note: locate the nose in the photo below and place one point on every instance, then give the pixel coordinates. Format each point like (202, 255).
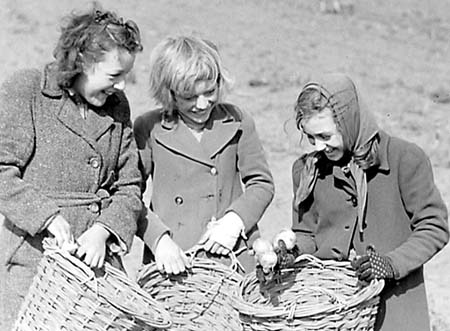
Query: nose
(120, 84)
(202, 102)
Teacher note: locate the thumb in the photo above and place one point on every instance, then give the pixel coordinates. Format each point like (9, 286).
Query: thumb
(204, 238)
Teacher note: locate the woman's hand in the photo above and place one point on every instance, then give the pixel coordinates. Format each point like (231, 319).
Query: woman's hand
(373, 266)
(60, 229)
(222, 235)
(169, 256)
(92, 246)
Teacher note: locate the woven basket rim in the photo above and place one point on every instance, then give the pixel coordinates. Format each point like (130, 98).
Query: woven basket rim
(216, 283)
(366, 294)
(155, 315)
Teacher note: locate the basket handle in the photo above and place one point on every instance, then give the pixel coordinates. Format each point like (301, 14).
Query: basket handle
(88, 277)
(235, 264)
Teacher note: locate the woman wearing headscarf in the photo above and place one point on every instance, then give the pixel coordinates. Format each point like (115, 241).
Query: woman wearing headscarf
(365, 193)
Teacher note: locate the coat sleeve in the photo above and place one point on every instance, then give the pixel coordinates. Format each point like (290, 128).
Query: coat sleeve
(20, 202)
(126, 205)
(303, 222)
(150, 225)
(255, 175)
(428, 213)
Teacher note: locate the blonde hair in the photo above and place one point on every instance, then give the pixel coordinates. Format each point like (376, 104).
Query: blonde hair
(177, 63)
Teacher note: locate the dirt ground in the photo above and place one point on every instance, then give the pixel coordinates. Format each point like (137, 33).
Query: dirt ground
(396, 51)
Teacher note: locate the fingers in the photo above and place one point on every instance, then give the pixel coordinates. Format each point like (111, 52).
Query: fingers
(90, 256)
(216, 248)
(357, 263)
(92, 247)
(363, 268)
(60, 229)
(169, 257)
(173, 265)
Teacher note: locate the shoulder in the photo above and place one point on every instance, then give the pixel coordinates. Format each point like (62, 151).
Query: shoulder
(145, 123)
(148, 120)
(298, 165)
(22, 83)
(405, 152)
(231, 111)
(235, 113)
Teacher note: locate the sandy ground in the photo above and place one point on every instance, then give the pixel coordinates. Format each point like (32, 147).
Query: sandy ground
(397, 51)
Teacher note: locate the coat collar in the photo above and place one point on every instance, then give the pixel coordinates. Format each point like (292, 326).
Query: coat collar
(221, 128)
(383, 151)
(99, 119)
(341, 175)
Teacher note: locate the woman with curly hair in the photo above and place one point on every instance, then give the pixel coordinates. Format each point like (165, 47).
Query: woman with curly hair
(68, 160)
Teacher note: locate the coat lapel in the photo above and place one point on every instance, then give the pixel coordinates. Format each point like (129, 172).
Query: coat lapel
(97, 123)
(68, 115)
(182, 141)
(91, 129)
(220, 130)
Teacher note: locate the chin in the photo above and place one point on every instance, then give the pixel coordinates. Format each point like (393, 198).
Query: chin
(97, 102)
(334, 157)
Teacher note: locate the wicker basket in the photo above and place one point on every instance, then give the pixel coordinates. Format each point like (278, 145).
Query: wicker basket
(67, 295)
(200, 299)
(313, 295)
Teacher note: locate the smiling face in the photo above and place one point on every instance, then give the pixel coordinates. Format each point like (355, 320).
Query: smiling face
(101, 79)
(195, 109)
(323, 134)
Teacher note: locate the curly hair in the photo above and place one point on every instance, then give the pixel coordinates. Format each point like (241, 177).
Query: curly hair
(86, 37)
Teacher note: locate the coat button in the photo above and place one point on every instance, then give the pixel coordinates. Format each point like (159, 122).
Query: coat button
(178, 200)
(213, 171)
(94, 207)
(94, 163)
(347, 227)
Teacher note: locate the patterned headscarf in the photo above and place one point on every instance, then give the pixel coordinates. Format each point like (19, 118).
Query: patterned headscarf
(359, 132)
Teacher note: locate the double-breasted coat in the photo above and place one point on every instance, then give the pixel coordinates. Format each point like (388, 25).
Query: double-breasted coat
(196, 181)
(406, 219)
(52, 160)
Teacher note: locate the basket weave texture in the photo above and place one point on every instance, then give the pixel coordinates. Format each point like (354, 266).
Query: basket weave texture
(313, 295)
(68, 295)
(200, 299)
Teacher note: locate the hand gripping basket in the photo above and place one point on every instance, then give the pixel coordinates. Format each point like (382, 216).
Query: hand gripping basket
(313, 295)
(67, 295)
(201, 298)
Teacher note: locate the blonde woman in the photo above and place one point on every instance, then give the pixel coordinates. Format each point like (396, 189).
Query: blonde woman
(211, 181)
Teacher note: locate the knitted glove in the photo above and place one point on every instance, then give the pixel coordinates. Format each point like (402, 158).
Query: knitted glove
(373, 266)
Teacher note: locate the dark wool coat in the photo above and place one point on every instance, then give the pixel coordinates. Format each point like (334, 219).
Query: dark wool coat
(194, 181)
(406, 220)
(51, 160)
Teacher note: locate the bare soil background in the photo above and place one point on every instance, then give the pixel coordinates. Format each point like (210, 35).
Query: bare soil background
(396, 51)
